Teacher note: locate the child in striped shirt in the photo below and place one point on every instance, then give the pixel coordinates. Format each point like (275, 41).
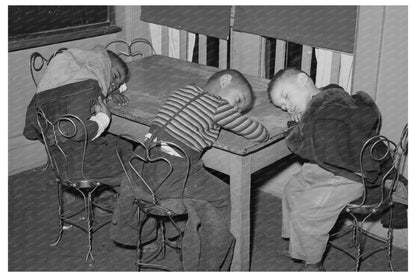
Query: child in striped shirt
(192, 118)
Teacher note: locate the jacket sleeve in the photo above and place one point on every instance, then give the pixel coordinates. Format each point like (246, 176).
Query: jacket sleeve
(229, 118)
(31, 129)
(74, 101)
(81, 106)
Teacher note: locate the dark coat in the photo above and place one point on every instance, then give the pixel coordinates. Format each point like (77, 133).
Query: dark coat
(333, 130)
(101, 161)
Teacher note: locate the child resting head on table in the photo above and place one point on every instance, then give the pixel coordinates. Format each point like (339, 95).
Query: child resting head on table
(192, 118)
(74, 65)
(77, 81)
(338, 124)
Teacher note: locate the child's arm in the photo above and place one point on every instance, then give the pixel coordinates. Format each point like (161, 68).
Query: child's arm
(102, 116)
(229, 118)
(118, 98)
(117, 95)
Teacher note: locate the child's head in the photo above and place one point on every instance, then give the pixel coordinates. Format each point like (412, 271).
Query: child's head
(119, 71)
(291, 89)
(232, 86)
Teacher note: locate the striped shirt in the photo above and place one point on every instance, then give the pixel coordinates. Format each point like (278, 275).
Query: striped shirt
(195, 117)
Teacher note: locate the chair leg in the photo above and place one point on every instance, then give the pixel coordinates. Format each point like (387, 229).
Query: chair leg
(162, 233)
(90, 220)
(139, 243)
(60, 214)
(358, 244)
(390, 239)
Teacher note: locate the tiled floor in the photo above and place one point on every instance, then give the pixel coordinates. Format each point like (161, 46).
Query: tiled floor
(33, 225)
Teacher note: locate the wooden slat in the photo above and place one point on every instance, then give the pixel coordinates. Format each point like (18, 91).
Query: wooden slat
(306, 58)
(222, 63)
(165, 41)
(245, 53)
(263, 57)
(368, 38)
(202, 49)
(183, 45)
(280, 60)
(335, 67)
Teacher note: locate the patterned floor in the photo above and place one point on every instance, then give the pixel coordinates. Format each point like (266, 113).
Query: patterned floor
(33, 225)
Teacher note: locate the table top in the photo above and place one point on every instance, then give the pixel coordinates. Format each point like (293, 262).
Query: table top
(154, 78)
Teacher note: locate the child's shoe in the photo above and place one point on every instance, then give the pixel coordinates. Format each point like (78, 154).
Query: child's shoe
(311, 267)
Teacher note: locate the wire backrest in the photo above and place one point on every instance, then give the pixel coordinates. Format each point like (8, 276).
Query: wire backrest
(392, 155)
(38, 63)
(57, 132)
(146, 157)
(129, 51)
(380, 149)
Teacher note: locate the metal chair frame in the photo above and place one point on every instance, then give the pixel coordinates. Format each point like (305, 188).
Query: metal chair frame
(51, 133)
(385, 202)
(155, 208)
(36, 66)
(129, 45)
(44, 62)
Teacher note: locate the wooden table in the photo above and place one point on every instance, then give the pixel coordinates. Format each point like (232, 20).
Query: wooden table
(153, 78)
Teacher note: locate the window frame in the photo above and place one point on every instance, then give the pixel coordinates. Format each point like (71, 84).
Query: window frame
(21, 42)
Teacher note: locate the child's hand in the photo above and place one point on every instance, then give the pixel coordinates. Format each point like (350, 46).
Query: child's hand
(295, 116)
(101, 107)
(118, 98)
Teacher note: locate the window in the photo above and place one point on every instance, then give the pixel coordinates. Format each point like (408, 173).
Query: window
(33, 26)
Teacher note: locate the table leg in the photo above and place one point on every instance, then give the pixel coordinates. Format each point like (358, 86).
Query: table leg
(240, 184)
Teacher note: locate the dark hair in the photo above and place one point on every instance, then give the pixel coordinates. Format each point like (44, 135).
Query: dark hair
(121, 62)
(237, 81)
(283, 73)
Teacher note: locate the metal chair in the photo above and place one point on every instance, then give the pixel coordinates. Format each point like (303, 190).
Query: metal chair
(38, 63)
(374, 201)
(130, 53)
(163, 210)
(56, 131)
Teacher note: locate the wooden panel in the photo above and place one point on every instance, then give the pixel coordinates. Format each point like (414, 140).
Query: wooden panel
(335, 68)
(222, 63)
(367, 49)
(246, 53)
(392, 86)
(165, 41)
(202, 49)
(280, 60)
(263, 57)
(306, 58)
(183, 45)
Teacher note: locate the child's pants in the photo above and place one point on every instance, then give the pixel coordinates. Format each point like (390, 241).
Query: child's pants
(312, 202)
